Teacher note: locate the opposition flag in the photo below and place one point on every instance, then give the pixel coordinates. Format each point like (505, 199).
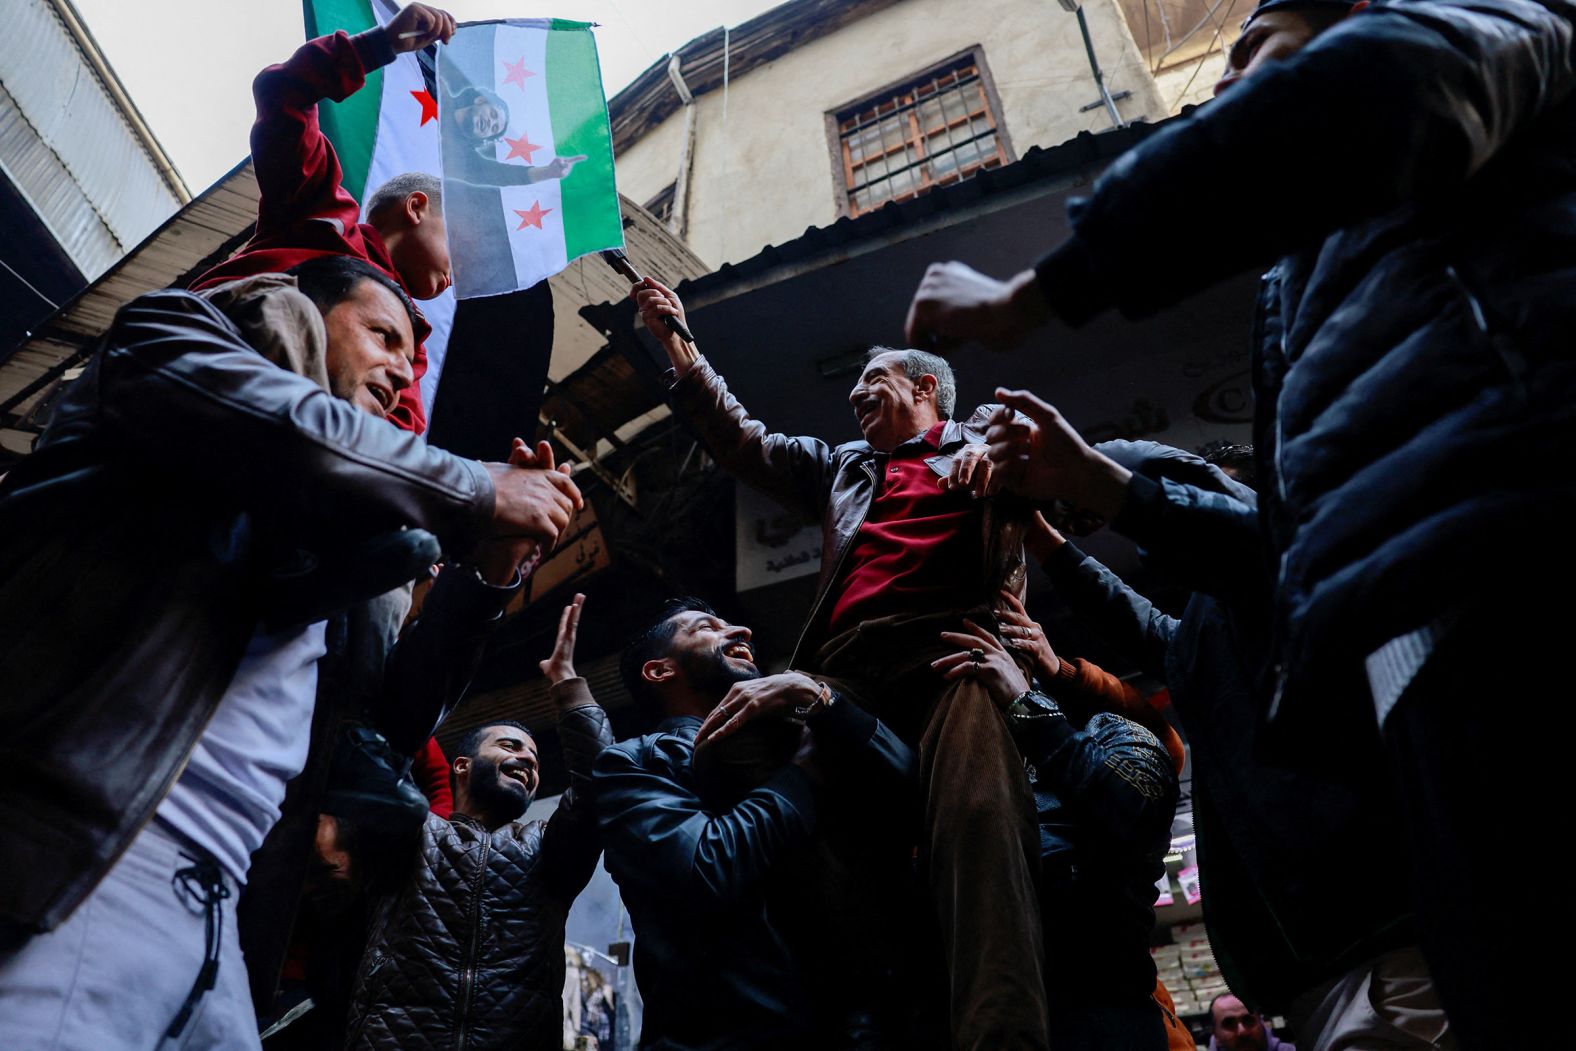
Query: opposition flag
(527, 153)
(492, 358)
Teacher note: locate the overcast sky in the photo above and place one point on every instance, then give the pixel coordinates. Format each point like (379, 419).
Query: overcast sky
(189, 64)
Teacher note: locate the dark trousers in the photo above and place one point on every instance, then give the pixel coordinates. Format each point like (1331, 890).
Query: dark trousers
(1480, 746)
(978, 840)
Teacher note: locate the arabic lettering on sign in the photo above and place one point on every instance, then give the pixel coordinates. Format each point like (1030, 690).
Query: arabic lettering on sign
(798, 558)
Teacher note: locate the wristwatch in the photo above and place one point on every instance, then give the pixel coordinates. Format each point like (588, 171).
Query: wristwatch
(822, 701)
(1029, 707)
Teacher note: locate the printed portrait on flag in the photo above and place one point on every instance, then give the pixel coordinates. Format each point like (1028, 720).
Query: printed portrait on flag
(527, 153)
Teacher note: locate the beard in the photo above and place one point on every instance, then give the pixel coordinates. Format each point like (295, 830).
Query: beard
(712, 673)
(503, 798)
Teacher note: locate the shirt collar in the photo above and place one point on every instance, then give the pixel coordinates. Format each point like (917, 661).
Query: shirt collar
(932, 438)
(685, 726)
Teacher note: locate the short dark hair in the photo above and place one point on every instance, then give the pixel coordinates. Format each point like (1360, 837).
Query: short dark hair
(917, 363)
(471, 743)
(650, 643)
(1236, 460)
(396, 190)
(329, 280)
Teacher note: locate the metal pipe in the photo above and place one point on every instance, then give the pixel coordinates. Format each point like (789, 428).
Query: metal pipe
(1099, 77)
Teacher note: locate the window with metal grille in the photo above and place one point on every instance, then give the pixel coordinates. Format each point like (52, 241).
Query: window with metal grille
(935, 129)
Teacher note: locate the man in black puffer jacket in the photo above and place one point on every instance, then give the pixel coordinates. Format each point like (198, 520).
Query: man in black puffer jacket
(470, 953)
(1415, 166)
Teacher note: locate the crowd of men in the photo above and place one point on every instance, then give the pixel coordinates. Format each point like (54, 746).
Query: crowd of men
(933, 829)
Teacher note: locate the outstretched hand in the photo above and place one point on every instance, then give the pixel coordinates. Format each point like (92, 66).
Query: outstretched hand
(1043, 458)
(758, 700)
(655, 301)
(972, 472)
(417, 26)
(560, 664)
(956, 303)
(524, 526)
(1023, 633)
(559, 167)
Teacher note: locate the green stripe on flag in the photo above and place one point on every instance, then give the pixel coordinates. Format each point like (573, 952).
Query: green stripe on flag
(580, 125)
(350, 125)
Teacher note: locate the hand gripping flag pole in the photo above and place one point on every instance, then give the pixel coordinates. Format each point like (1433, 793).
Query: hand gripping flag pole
(615, 258)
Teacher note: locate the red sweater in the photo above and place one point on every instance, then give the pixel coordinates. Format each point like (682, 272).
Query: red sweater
(918, 550)
(303, 210)
(431, 772)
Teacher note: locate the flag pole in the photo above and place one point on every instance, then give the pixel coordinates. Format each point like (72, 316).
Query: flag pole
(615, 258)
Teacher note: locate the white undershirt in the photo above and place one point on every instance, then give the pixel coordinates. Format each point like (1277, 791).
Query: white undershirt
(229, 795)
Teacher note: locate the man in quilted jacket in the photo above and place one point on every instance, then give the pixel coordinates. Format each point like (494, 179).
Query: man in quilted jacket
(470, 952)
(1410, 163)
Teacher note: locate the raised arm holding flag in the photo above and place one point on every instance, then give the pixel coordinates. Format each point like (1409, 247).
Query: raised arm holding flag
(304, 208)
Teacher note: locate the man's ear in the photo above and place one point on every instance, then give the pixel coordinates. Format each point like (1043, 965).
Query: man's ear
(461, 767)
(926, 384)
(659, 670)
(416, 207)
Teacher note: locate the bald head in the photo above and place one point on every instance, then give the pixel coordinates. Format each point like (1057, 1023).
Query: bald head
(1237, 1028)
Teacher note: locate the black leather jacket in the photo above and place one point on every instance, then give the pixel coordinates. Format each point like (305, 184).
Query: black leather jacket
(713, 960)
(837, 486)
(470, 954)
(135, 545)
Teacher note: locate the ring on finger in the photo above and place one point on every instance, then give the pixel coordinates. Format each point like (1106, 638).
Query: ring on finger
(976, 655)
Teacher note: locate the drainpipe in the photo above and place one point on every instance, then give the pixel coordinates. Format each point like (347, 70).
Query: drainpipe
(678, 222)
(1106, 98)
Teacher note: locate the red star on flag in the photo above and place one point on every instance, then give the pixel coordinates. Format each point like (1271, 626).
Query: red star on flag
(521, 147)
(429, 105)
(532, 217)
(517, 73)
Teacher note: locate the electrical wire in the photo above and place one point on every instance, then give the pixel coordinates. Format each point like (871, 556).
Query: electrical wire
(30, 286)
(1220, 28)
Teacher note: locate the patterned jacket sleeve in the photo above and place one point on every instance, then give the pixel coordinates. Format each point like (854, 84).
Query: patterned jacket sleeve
(1116, 771)
(570, 843)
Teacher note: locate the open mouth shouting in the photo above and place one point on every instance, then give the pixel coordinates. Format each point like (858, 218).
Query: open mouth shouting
(739, 650)
(384, 396)
(866, 410)
(520, 773)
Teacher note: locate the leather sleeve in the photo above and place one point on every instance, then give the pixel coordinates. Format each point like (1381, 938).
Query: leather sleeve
(178, 385)
(863, 751)
(1432, 89)
(1120, 615)
(794, 471)
(570, 842)
(660, 837)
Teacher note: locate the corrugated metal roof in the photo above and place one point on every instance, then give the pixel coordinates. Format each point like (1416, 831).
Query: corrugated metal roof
(71, 141)
(1036, 172)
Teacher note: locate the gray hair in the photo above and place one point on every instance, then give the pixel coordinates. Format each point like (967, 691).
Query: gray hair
(395, 191)
(917, 363)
